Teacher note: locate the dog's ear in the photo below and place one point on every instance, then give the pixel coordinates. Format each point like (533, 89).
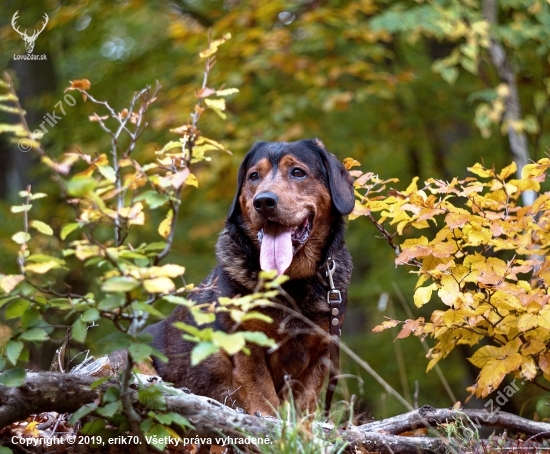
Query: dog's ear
(235, 209)
(339, 180)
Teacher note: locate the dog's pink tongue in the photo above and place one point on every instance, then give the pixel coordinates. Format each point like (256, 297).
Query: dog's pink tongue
(276, 249)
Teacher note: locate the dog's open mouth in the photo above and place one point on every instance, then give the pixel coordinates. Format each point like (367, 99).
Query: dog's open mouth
(279, 243)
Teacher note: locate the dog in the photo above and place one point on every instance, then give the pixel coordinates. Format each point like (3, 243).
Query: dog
(287, 215)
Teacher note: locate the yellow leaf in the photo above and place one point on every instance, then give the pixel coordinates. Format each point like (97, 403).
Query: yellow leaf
(528, 367)
(31, 430)
(191, 180)
(455, 318)
(412, 187)
(9, 282)
(544, 363)
(350, 162)
(481, 171)
(227, 91)
(533, 347)
(218, 103)
(166, 225)
(490, 377)
(527, 321)
(535, 170)
(169, 270)
(386, 324)
(213, 47)
(41, 268)
(485, 354)
(159, 285)
(508, 171)
(456, 220)
(423, 294)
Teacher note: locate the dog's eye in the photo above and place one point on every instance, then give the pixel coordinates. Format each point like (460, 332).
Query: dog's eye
(254, 176)
(297, 173)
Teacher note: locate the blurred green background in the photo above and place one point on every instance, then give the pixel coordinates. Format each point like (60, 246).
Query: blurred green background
(404, 87)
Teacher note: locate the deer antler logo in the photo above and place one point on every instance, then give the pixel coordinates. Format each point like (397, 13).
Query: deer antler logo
(29, 40)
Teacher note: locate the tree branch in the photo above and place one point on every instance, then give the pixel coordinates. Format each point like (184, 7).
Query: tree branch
(66, 393)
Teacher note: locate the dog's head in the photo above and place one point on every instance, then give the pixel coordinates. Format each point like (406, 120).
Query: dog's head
(288, 197)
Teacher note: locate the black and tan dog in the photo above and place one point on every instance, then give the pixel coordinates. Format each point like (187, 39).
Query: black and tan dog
(288, 215)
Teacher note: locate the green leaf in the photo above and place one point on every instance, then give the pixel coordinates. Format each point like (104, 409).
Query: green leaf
(111, 302)
(140, 351)
(119, 284)
(111, 395)
(114, 341)
(99, 382)
(80, 186)
(68, 229)
(152, 397)
(78, 331)
(17, 308)
(90, 315)
(177, 419)
(82, 411)
(41, 227)
(13, 377)
(161, 356)
(155, 246)
(21, 237)
(159, 435)
(13, 350)
(203, 317)
(531, 124)
(34, 334)
(4, 450)
(231, 343)
(153, 198)
(20, 208)
(38, 195)
(41, 258)
(147, 308)
(201, 351)
(7, 299)
(109, 410)
(132, 255)
(258, 338)
(31, 318)
(94, 426)
(178, 300)
(108, 173)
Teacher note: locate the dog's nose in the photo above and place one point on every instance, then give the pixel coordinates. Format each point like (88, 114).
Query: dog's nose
(265, 202)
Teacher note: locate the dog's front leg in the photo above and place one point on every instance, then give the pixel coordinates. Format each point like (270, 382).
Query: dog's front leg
(254, 382)
(311, 380)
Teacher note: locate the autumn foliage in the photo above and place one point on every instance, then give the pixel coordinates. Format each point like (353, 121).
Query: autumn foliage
(483, 264)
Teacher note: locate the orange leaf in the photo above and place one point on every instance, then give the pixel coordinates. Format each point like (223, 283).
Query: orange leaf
(79, 84)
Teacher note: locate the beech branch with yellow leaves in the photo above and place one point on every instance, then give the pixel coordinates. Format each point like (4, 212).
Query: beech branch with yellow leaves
(483, 264)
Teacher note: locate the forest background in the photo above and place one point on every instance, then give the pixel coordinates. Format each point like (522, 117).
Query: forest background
(407, 88)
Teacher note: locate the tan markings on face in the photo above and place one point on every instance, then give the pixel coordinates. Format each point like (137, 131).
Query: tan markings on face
(249, 189)
(298, 199)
